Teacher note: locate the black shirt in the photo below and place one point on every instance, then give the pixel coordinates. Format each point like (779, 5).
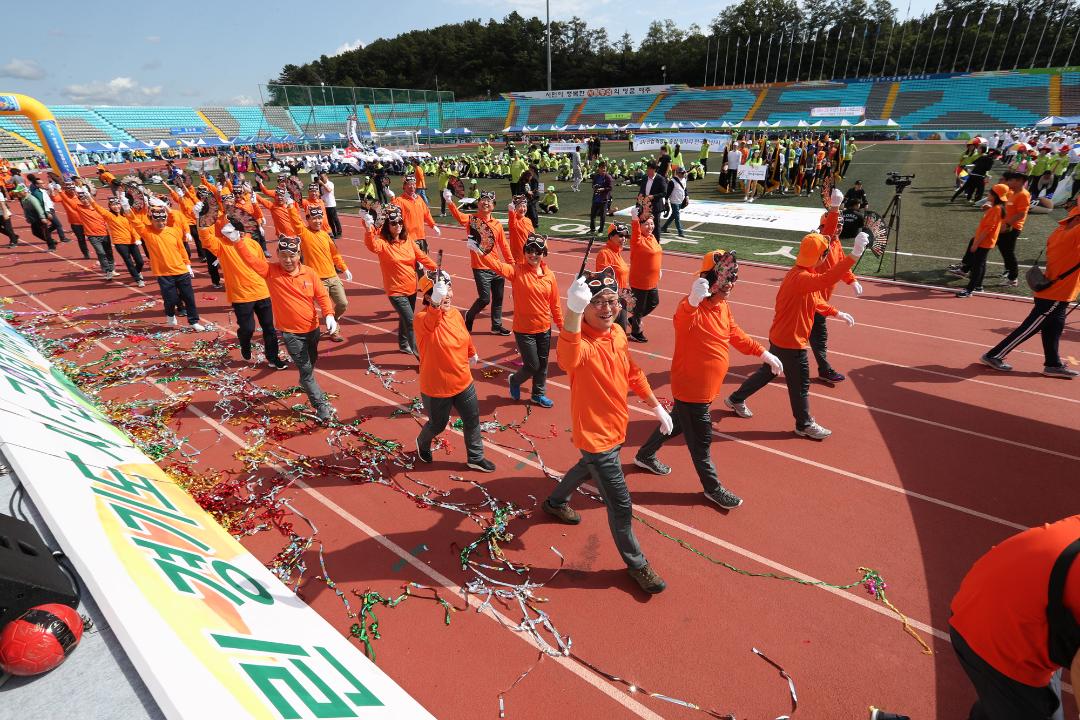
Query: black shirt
(853, 223)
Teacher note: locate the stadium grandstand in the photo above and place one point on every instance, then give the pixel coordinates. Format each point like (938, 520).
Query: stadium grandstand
(915, 107)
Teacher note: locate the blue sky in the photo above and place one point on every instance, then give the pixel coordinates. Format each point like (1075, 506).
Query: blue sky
(151, 57)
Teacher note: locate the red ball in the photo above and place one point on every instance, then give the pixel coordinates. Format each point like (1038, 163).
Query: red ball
(40, 639)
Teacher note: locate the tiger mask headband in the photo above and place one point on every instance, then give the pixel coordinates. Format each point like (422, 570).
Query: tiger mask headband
(721, 269)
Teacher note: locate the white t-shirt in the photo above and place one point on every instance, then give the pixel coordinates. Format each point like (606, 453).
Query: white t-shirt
(734, 159)
(678, 192)
(328, 194)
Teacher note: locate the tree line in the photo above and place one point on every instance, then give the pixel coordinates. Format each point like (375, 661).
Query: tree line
(752, 41)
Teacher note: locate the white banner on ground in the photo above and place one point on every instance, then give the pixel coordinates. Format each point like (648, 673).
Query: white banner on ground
(780, 217)
(562, 147)
(688, 141)
(841, 111)
(592, 92)
(206, 166)
(752, 172)
(210, 630)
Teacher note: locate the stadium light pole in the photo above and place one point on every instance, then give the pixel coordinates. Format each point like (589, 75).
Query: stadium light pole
(548, 9)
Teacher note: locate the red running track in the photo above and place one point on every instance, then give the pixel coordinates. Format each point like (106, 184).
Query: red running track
(933, 460)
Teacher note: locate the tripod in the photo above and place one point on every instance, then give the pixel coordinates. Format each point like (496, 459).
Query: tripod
(891, 218)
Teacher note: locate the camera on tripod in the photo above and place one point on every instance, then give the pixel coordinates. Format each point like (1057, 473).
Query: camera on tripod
(898, 180)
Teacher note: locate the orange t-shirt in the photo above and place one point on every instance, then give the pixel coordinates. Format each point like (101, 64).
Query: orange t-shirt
(418, 173)
(445, 348)
(121, 231)
(292, 297)
(93, 221)
(702, 337)
(397, 261)
(1000, 609)
(168, 255)
(319, 251)
(415, 214)
(798, 299)
(836, 254)
(186, 205)
(72, 206)
(485, 262)
(645, 258)
(1016, 208)
(242, 283)
(536, 297)
(279, 214)
(308, 203)
(1062, 253)
(986, 234)
(611, 257)
(520, 229)
(601, 372)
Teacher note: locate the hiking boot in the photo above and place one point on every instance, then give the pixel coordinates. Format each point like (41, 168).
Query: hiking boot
(324, 413)
(653, 465)
(647, 579)
(515, 389)
(542, 400)
(483, 465)
(424, 454)
(813, 431)
(563, 513)
(996, 363)
(738, 408)
(832, 376)
(724, 498)
(245, 351)
(1060, 371)
(639, 337)
(500, 330)
(277, 363)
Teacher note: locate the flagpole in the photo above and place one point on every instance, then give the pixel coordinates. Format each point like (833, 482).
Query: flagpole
(727, 53)
(862, 46)
(993, 34)
(930, 45)
(1052, 52)
(915, 47)
(903, 34)
(945, 44)
(768, 55)
(705, 80)
(873, 53)
(1031, 16)
(1008, 37)
(791, 47)
(1068, 61)
(978, 29)
(836, 52)
(716, 61)
(959, 43)
(757, 58)
(847, 56)
(1038, 47)
(802, 46)
(888, 47)
(779, 49)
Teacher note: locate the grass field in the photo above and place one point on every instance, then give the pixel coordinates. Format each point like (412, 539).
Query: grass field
(934, 231)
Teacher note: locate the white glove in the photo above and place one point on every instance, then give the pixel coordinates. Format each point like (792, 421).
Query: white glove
(437, 230)
(187, 237)
(138, 242)
(289, 202)
(474, 360)
(661, 414)
(438, 292)
(365, 218)
(473, 247)
(331, 324)
(389, 193)
(634, 211)
(446, 195)
(510, 208)
(191, 271)
(230, 233)
(836, 199)
(861, 241)
(698, 291)
(773, 362)
(858, 288)
(124, 202)
(196, 208)
(348, 275)
(578, 296)
(846, 318)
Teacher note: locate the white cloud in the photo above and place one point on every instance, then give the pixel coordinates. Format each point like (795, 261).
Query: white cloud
(118, 91)
(22, 69)
(153, 38)
(346, 47)
(243, 100)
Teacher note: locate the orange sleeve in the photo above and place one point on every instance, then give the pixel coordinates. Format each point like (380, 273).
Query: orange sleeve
(556, 305)
(504, 247)
(211, 188)
(823, 308)
(812, 282)
(373, 242)
(424, 259)
(209, 239)
(640, 384)
(741, 341)
(428, 220)
(339, 262)
(462, 218)
(260, 200)
(505, 269)
(294, 218)
(322, 297)
(570, 352)
(256, 261)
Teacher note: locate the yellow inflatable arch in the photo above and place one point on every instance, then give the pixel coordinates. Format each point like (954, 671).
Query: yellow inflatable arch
(52, 140)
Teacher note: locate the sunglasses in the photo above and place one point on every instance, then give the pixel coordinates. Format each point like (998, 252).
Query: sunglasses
(395, 222)
(601, 303)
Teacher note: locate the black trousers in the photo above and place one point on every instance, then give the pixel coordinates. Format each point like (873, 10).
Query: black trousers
(1046, 317)
(973, 185)
(1001, 697)
(534, 349)
(1007, 245)
(976, 264)
(54, 224)
(797, 375)
(8, 229)
(695, 422)
(178, 287)
(80, 237)
(246, 313)
(819, 343)
(489, 289)
(194, 230)
(704, 164)
(335, 223)
(645, 301)
(133, 259)
(102, 245)
(599, 210)
(438, 410)
(405, 305)
(732, 179)
(40, 229)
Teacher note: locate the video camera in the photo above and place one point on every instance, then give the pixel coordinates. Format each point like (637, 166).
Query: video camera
(900, 181)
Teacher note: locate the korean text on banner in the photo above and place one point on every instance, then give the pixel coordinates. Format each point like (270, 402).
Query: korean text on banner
(211, 631)
(687, 141)
(841, 111)
(752, 172)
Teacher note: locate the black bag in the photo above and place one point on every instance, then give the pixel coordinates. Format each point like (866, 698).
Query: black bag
(1037, 279)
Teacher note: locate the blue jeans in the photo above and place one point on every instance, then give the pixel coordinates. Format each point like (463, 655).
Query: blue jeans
(674, 218)
(304, 351)
(173, 288)
(438, 410)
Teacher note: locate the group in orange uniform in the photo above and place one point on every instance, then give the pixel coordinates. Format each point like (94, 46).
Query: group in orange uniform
(819, 333)
(489, 284)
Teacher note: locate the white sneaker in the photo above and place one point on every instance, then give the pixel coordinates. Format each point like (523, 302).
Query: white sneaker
(140, 283)
(171, 319)
(739, 409)
(198, 327)
(813, 431)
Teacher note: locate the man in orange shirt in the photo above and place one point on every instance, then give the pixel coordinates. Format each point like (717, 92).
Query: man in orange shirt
(321, 255)
(536, 309)
(1016, 212)
(420, 179)
(610, 256)
(489, 285)
(415, 213)
(447, 355)
(123, 235)
(169, 262)
(245, 289)
(295, 293)
(704, 330)
(68, 197)
(521, 227)
(593, 351)
(1016, 623)
(1051, 303)
(796, 302)
(646, 256)
(96, 232)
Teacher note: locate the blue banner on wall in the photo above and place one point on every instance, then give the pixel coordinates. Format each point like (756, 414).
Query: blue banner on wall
(193, 130)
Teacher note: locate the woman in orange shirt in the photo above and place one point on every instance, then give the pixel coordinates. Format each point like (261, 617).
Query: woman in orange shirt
(397, 260)
(611, 257)
(447, 355)
(645, 259)
(536, 308)
(986, 235)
